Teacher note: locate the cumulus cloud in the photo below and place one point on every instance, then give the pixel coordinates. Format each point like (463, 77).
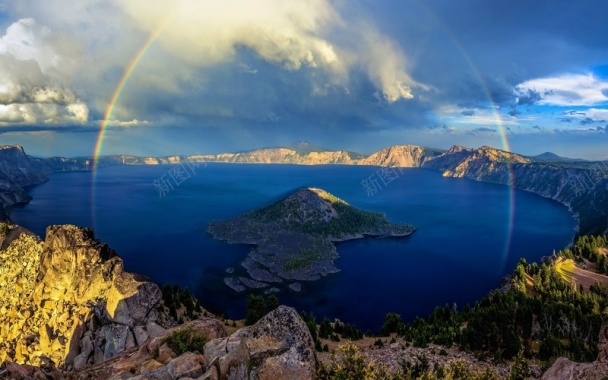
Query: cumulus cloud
(568, 90)
(300, 56)
(31, 88)
(293, 35)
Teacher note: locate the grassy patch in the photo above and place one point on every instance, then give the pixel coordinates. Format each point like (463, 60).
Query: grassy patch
(565, 267)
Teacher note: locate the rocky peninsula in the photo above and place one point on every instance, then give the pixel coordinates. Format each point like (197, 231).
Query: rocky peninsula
(295, 236)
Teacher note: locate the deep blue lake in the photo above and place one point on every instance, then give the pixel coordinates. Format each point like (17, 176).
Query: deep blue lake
(460, 251)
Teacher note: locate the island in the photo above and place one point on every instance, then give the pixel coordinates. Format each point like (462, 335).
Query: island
(294, 237)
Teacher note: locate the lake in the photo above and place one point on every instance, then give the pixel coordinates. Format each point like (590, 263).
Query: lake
(461, 248)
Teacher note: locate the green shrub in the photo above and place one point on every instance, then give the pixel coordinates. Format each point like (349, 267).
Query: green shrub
(186, 340)
(4, 229)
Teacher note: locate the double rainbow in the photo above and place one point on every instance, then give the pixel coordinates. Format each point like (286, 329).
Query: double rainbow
(156, 33)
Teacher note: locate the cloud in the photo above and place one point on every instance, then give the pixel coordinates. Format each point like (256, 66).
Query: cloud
(527, 96)
(586, 121)
(328, 69)
(514, 112)
(480, 116)
(573, 113)
(568, 90)
(291, 35)
(484, 130)
(221, 62)
(31, 88)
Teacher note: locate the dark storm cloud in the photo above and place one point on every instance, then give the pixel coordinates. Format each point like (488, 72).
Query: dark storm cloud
(530, 97)
(48, 128)
(466, 57)
(587, 121)
(484, 129)
(514, 112)
(480, 51)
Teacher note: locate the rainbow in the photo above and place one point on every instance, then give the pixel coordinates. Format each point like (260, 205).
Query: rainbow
(121, 84)
(155, 34)
(502, 131)
(110, 109)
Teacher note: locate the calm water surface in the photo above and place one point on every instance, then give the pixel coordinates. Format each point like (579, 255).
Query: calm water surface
(458, 253)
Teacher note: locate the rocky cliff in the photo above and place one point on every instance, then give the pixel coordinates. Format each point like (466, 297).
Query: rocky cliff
(16, 173)
(67, 301)
(582, 187)
(404, 156)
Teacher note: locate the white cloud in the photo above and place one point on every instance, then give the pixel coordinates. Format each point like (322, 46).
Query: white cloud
(132, 123)
(597, 113)
(569, 90)
(476, 117)
(385, 65)
(290, 34)
(42, 114)
(31, 88)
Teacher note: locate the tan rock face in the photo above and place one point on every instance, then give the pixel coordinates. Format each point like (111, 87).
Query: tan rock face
(279, 346)
(68, 297)
(406, 156)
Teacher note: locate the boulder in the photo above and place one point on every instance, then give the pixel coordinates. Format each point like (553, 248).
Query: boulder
(565, 369)
(186, 365)
(279, 346)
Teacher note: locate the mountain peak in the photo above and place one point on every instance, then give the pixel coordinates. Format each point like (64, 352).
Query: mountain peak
(307, 204)
(547, 155)
(550, 156)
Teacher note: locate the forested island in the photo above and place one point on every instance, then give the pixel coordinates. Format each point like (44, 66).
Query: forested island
(294, 237)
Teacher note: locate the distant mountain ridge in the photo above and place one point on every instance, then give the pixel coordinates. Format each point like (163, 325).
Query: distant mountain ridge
(580, 185)
(550, 156)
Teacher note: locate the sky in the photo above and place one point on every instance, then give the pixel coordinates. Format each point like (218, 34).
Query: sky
(225, 75)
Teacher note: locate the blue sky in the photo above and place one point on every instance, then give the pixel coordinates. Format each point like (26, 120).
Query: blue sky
(359, 75)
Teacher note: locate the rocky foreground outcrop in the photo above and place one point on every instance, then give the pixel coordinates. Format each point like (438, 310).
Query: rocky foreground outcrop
(69, 310)
(278, 347)
(66, 301)
(565, 369)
